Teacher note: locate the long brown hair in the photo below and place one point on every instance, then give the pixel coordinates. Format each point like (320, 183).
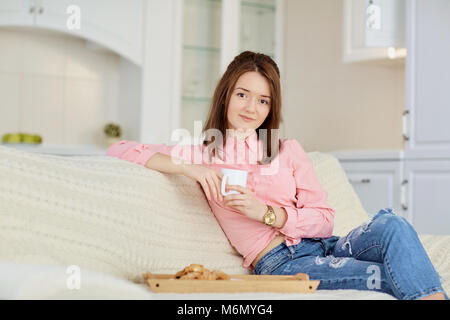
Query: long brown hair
(217, 117)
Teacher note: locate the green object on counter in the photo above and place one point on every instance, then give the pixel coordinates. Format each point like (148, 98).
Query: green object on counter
(21, 138)
(14, 138)
(5, 138)
(28, 138)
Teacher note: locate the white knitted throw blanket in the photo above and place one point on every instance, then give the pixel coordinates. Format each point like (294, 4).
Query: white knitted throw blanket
(119, 218)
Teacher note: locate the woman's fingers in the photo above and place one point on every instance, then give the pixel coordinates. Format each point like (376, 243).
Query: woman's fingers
(236, 204)
(205, 187)
(212, 186)
(234, 196)
(218, 182)
(240, 189)
(235, 199)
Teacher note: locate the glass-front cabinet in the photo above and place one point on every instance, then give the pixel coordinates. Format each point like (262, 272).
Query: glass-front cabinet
(209, 44)
(257, 26)
(200, 58)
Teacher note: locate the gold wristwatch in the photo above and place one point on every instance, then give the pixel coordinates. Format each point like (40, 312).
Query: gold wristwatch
(269, 217)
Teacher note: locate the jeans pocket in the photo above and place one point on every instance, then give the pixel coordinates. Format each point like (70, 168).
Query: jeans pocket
(329, 244)
(272, 260)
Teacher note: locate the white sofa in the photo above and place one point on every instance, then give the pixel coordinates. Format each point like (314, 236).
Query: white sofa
(114, 220)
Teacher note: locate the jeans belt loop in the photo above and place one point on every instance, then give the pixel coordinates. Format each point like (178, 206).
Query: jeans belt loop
(291, 251)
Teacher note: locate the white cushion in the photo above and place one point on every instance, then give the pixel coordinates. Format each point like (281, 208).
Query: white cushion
(25, 281)
(341, 196)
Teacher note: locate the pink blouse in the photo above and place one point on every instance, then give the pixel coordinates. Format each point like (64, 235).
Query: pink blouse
(289, 182)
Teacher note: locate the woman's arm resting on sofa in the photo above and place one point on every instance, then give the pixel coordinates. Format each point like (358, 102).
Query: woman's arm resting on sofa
(166, 164)
(153, 156)
(163, 158)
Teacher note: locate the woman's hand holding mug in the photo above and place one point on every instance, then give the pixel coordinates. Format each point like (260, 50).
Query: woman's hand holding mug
(245, 202)
(236, 196)
(240, 197)
(209, 179)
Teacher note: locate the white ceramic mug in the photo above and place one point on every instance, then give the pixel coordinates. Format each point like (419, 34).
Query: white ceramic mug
(233, 177)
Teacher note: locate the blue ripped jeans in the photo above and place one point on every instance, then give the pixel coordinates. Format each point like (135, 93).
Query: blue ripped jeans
(383, 254)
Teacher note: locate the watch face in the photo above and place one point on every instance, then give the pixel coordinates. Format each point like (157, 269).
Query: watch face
(269, 219)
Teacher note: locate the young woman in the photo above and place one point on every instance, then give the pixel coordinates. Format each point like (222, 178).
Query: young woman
(281, 222)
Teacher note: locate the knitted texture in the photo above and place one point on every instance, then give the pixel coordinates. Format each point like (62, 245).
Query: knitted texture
(112, 216)
(349, 212)
(107, 215)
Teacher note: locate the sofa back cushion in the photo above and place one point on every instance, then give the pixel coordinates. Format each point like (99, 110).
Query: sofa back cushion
(349, 212)
(122, 219)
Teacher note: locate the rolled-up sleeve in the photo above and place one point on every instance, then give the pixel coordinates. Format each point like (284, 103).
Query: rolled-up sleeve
(311, 217)
(140, 153)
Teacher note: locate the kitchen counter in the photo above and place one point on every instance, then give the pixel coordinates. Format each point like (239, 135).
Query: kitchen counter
(369, 154)
(59, 149)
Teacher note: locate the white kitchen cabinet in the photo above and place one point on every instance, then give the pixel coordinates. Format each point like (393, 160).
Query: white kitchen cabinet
(17, 12)
(373, 29)
(376, 177)
(427, 115)
(426, 131)
(416, 189)
(115, 24)
(376, 183)
(258, 26)
(425, 124)
(421, 191)
(427, 195)
(201, 54)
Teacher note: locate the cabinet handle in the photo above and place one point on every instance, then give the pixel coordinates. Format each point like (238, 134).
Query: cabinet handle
(41, 10)
(31, 9)
(403, 194)
(405, 125)
(359, 181)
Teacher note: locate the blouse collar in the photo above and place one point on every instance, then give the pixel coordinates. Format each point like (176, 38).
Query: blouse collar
(250, 139)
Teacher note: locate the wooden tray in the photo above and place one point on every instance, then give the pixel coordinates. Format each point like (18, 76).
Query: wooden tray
(238, 283)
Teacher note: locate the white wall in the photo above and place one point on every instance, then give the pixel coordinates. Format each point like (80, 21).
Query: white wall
(330, 105)
(52, 85)
(129, 103)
